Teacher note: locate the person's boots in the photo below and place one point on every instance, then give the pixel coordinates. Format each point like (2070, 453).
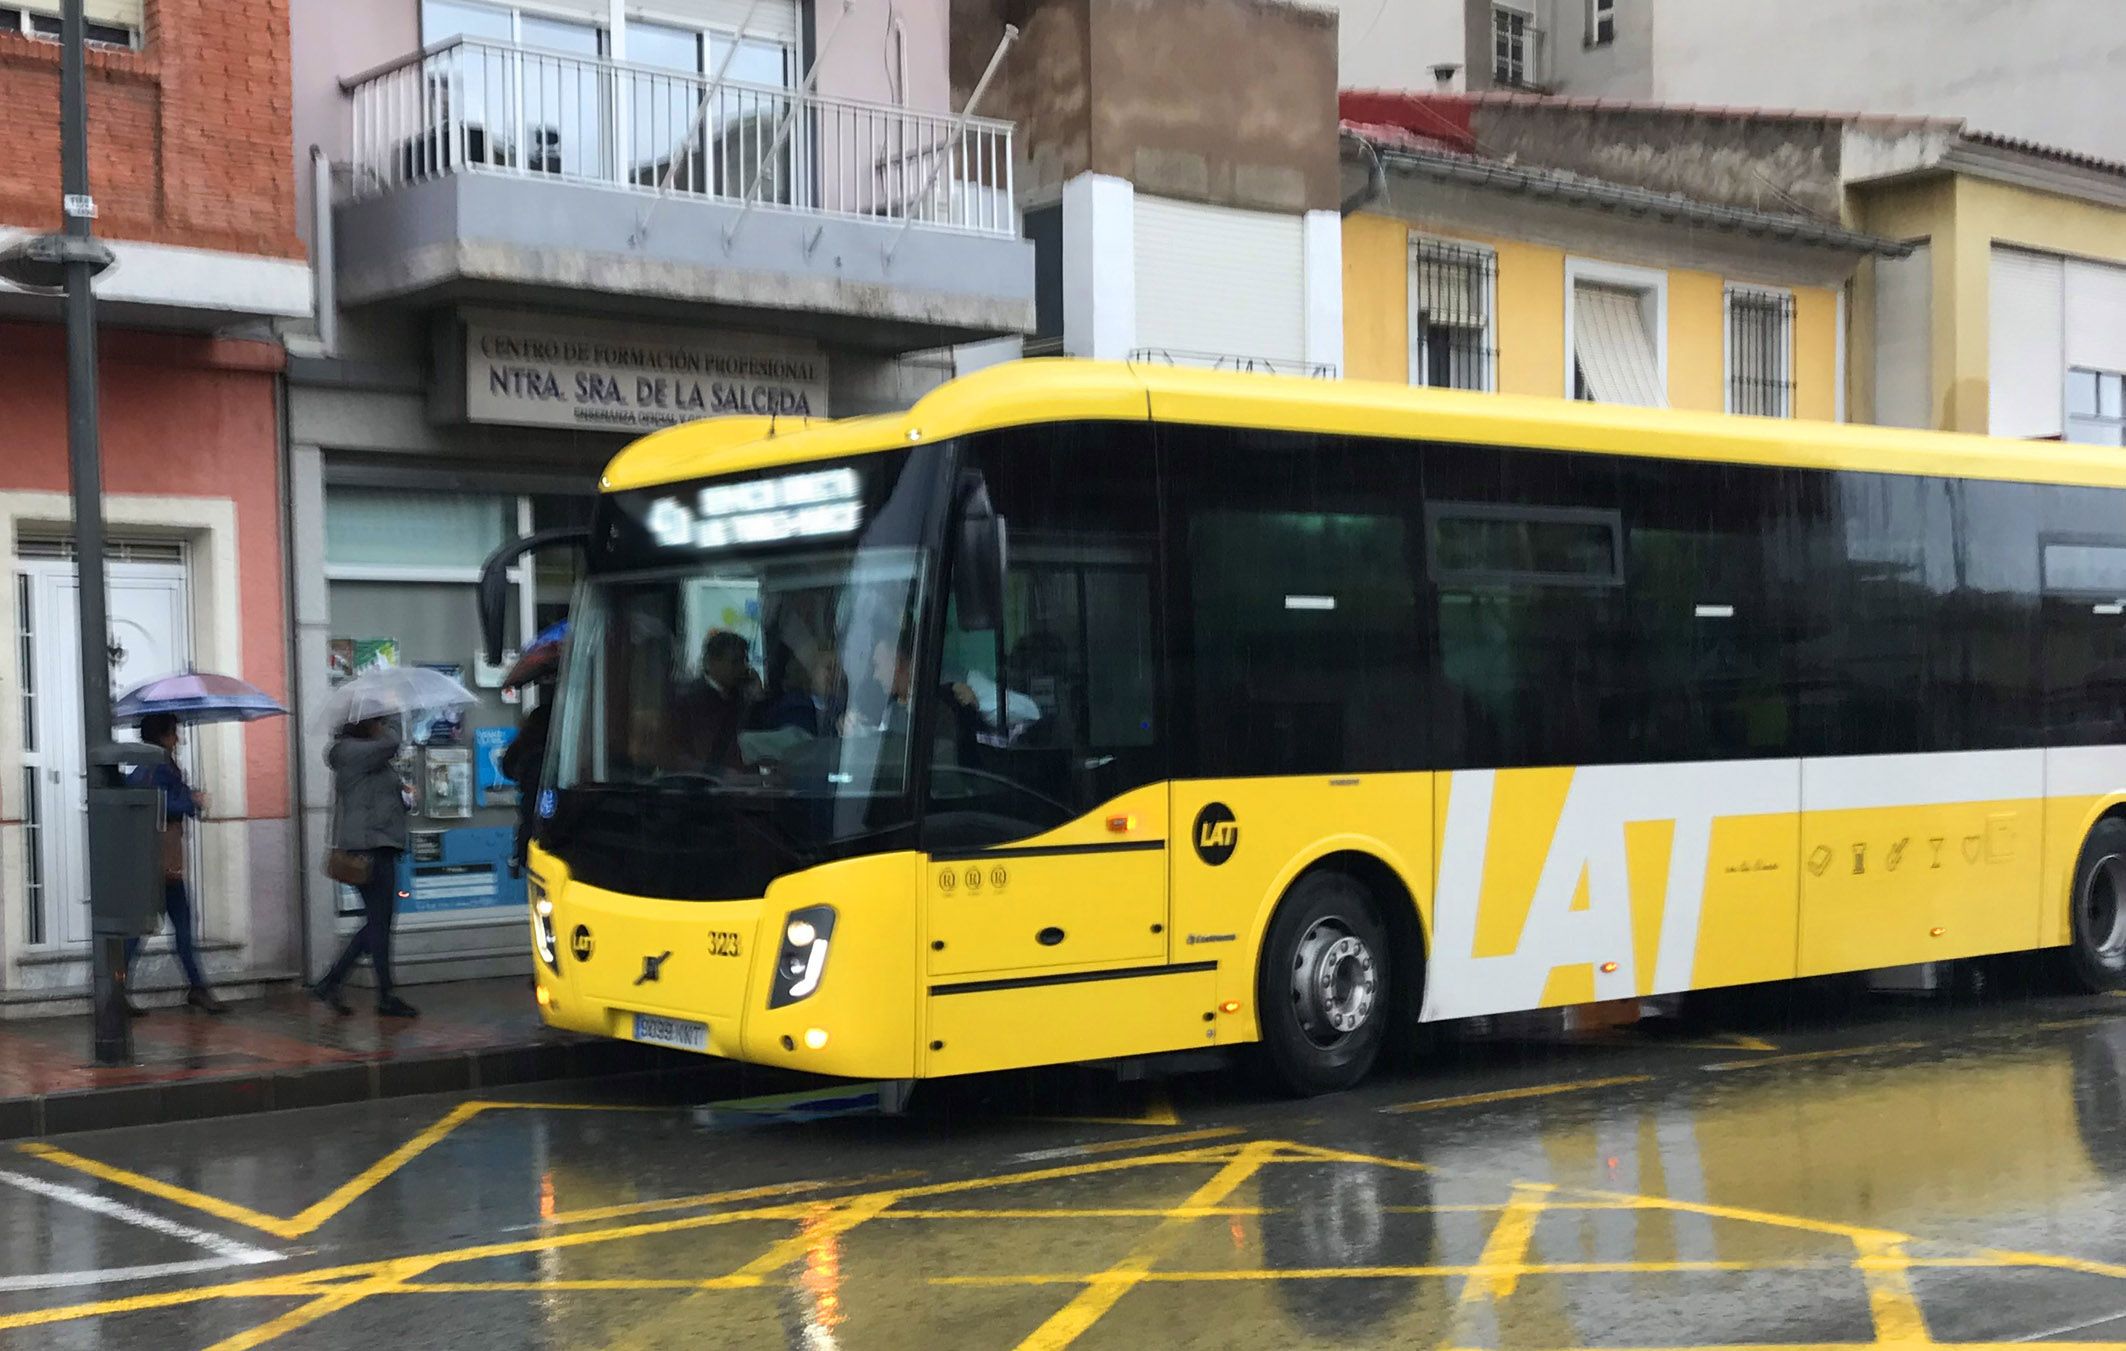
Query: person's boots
(391, 1006)
(204, 999)
(329, 996)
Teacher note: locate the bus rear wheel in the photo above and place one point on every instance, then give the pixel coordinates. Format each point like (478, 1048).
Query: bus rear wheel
(1323, 987)
(2097, 951)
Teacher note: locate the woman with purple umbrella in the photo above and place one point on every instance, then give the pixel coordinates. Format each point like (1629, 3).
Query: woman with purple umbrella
(162, 707)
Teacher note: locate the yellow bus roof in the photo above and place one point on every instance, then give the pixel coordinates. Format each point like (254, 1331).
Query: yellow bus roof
(1021, 393)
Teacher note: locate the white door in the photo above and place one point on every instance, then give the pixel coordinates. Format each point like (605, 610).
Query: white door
(149, 637)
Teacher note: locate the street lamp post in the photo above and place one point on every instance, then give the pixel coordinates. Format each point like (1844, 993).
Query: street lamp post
(72, 260)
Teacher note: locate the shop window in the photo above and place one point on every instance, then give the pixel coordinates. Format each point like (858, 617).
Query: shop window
(400, 529)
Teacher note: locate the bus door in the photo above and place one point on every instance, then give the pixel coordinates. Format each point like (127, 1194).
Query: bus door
(1045, 824)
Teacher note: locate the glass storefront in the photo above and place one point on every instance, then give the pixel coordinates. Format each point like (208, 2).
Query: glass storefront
(401, 566)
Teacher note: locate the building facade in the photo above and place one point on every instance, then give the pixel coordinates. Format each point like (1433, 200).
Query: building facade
(195, 196)
(2038, 70)
(2003, 311)
(1471, 272)
(542, 230)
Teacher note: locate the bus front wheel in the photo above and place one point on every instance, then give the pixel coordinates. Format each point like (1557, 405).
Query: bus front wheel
(1323, 987)
(2097, 953)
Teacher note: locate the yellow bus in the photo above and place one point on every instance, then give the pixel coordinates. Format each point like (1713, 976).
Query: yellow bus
(1088, 711)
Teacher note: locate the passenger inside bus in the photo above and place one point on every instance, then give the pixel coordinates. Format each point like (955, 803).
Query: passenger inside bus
(713, 709)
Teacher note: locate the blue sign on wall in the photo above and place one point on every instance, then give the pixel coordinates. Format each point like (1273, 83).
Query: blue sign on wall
(492, 787)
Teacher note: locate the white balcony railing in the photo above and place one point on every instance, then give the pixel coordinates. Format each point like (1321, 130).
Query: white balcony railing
(468, 106)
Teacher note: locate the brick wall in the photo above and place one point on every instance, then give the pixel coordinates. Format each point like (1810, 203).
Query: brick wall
(188, 137)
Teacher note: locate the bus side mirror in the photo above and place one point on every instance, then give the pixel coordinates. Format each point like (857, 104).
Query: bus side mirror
(978, 574)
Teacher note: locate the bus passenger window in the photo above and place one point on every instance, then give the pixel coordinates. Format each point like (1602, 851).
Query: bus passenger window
(1056, 714)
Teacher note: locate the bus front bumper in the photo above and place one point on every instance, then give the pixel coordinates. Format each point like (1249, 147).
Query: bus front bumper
(731, 978)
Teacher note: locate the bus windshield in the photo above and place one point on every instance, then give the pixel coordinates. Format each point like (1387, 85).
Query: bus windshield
(737, 698)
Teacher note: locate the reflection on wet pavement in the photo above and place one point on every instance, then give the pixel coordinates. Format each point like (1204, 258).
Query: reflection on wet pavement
(1900, 1175)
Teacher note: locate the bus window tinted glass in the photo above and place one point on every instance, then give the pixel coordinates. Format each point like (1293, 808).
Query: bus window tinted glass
(1296, 557)
(1055, 713)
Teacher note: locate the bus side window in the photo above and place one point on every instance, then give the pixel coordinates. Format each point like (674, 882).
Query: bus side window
(1057, 713)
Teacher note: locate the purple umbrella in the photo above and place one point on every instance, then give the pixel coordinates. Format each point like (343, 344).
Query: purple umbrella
(197, 697)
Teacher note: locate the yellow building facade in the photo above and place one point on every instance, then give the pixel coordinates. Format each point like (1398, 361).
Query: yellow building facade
(2017, 280)
(1530, 317)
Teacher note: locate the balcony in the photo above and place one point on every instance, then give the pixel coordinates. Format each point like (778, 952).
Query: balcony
(482, 171)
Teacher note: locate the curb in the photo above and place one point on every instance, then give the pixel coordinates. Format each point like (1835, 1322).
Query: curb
(334, 1084)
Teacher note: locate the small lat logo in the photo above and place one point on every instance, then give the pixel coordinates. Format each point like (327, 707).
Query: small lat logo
(652, 967)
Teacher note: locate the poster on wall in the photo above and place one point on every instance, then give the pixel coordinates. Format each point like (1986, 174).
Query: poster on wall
(346, 658)
(491, 787)
(441, 726)
(448, 790)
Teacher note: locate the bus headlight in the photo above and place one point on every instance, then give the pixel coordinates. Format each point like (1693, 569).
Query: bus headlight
(542, 921)
(802, 959)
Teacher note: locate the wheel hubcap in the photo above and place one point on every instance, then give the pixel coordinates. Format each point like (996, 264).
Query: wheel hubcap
(2102, 907)
(1334, 982)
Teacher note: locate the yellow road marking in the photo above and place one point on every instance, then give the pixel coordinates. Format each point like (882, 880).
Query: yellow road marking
(1091, 1304)
(1898, 1321)
(313, 1216)
(1134, 1142)
(1511, 1094)
(1473, 1271)
(1507, 1247)
(1799, 1057)
(622, 1211)
(1772, 1219)
(1882, 1259)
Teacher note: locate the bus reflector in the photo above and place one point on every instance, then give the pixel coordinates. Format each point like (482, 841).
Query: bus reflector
(1608, 968)
(1121, 825)
(1230, 1006)
(1936, 931)
(545, 997)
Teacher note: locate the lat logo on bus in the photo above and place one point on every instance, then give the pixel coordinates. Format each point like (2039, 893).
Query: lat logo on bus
(1217, 833)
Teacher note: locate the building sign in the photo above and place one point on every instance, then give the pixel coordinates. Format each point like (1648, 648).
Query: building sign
(542, 372)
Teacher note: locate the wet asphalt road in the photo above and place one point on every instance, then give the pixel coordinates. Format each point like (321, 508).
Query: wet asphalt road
(1875, 1171)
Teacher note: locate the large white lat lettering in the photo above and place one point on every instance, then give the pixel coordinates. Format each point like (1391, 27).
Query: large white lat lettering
(1588, 842)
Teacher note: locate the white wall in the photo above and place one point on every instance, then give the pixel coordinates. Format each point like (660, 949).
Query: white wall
(1393, 44)
(2043, 70)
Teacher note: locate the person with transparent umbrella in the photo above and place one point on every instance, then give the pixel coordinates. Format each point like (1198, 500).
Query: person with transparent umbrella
(370, 812)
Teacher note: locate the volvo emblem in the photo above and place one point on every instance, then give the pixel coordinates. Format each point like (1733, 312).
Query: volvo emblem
(652, 967)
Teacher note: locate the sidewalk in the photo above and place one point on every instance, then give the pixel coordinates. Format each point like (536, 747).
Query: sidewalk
(287, 1050)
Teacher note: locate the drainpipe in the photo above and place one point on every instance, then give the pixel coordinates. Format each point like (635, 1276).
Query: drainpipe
(325, 281)
(1376, 178)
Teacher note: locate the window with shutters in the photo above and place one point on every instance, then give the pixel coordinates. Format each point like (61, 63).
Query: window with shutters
(1453, 334)
(1616, 328)
(1760, 352)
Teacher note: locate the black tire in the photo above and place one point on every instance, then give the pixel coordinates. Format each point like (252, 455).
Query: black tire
(1324, 987)
(2096, 954)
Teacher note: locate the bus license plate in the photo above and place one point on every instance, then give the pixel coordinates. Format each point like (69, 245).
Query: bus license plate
(671, 1032)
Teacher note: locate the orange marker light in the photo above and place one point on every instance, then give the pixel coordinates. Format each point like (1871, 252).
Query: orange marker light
(1608, 967)
(1937, 931)
(1230, 1006)
(1121, 825)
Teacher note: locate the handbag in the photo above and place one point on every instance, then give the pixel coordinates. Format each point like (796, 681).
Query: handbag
(348, 866)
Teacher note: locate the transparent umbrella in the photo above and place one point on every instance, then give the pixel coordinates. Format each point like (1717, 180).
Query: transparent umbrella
(390, 691)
